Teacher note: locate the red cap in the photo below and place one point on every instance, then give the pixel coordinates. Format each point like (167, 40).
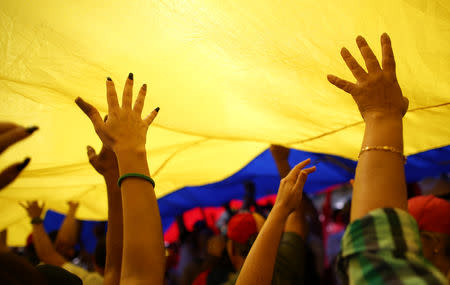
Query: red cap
(241, 227)
(431, 213)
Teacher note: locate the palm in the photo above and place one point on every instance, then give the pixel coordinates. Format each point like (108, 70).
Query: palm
(122, 120)
(105, 162)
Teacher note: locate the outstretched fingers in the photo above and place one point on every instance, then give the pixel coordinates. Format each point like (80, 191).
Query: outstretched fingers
(139, 104)
(14, 135)
(301, 178)
(128, 93)
(149, 119)
(368, 55)
(10, 173)
(341, 83)
(356, 69)
(91, 112)
(111, 96)
(296, 170)
(388, 61)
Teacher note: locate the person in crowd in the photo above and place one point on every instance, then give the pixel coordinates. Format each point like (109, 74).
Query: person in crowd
(242, 231)
(193, 252)
(125, 132)
(432, 214)
(382, 243)
(308, 239)
(105, 163)
(260, 265)
(47, 252)
(218, 266)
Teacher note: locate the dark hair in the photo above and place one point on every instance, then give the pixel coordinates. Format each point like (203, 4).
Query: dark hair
(100, 253)
(244, 248)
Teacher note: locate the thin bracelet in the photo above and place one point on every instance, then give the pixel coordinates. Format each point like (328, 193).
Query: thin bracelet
(137, 175)
(383, 148)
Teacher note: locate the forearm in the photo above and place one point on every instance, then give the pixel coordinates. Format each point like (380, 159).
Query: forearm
(259, 264)
(296, 223)
(3, 238)
(44, 247)
(283, 167)
(68, 233)
(380, 176)
(114, 236)
(143, 254)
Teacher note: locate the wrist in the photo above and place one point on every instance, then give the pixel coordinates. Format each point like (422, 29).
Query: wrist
(380, 117)
(132, 162)
(72, 211)
(280, 211)
(112, 175)
(125, 150)
(36, 221)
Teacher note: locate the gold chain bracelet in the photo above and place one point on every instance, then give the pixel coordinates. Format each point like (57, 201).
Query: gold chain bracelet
(382, 148)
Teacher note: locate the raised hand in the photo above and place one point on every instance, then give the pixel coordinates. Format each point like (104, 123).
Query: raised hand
(124, 130)
(73, 206)
(290, 192)
(377, 91)
(105, 162)
(33, 209)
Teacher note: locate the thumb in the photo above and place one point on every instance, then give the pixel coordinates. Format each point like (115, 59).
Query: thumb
(91, 153)
(301, 178)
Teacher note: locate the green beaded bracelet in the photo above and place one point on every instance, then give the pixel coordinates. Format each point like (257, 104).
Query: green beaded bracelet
(137, 175)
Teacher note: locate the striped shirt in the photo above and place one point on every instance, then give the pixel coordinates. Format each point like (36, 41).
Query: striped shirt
(384, 247)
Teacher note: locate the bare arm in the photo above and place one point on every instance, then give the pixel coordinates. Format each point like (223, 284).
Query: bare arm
(380, 177)
(142, 223)
(125, 133)
(3, 237)
(68, 233)
(259, 264)
(296, 221)
(106, 164)
(44, 247)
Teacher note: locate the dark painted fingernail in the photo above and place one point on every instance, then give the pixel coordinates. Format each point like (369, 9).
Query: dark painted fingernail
(144, 86)
(157, 109)
(23, 164)
(32, 129)
(130, 76)
(108, 78)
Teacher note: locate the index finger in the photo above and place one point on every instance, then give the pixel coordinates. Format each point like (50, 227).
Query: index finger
(296, 170)
(14, 135)
(368, 55)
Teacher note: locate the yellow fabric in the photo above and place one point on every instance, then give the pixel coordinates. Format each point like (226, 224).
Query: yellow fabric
(230, 78)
